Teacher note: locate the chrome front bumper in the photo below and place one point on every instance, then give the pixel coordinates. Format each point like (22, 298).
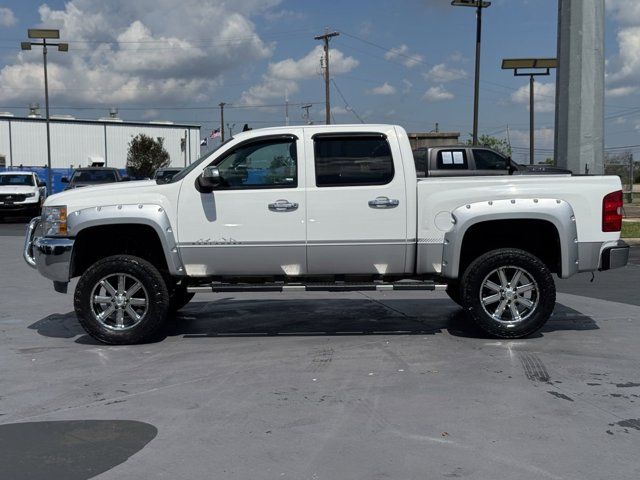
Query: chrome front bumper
(51, 256)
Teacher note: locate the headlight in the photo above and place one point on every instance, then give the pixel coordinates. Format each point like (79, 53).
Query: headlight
(54, 221)
(32, 194)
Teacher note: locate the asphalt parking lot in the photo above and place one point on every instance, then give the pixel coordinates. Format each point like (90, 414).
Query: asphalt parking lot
(320, 386)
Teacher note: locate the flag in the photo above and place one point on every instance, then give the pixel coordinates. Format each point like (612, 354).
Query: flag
(215, 133)
(203, 142)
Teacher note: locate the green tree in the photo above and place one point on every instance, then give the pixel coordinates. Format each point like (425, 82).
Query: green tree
(498, 144)
(146, 155)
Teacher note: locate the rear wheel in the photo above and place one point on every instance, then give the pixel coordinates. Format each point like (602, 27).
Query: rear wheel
(510, 293)
(122, 300)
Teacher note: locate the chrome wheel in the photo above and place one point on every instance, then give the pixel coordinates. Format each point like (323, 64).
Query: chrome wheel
(509, 295)
(119, 301)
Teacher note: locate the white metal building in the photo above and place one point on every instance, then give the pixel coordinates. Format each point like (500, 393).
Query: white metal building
(76, 143)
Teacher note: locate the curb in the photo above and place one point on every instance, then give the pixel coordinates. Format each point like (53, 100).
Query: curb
(634, 242)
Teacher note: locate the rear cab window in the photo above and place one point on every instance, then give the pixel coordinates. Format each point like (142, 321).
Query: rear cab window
(454, 159)
(352, 160)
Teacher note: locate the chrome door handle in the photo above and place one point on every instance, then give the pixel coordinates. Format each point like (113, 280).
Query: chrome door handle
(283, 206)
(384, 202)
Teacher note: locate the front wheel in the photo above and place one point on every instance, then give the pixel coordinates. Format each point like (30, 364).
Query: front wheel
(122, 300)
(509, 292)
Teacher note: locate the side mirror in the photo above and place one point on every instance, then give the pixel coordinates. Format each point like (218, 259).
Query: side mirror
(64, 180)
(209, 180)
(42, 184)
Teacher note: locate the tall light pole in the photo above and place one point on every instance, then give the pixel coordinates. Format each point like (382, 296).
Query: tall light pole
(478, 5)
(533, 67)
(44, 34)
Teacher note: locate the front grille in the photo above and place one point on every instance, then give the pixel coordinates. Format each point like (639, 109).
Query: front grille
(12, 197)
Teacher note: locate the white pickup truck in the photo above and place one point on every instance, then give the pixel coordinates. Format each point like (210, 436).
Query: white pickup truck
(332, 208)
(21, 193)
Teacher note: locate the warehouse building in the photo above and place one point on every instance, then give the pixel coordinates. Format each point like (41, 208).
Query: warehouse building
(81, 143)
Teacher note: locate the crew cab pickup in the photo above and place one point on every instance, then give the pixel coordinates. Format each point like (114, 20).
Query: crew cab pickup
(324, 208)
(465, 160)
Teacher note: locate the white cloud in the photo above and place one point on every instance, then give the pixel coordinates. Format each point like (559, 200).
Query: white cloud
(143, 57)
(623, 70)
(7, 17)
(544, 138)
(408, 86)
(283, 76)
(442, 74)
(545, 97)
(624, 11)
(620, 91)
(457, 57)
(384, 89)
(401, 54)
(366, 28)
(284, 15)
(438, 94)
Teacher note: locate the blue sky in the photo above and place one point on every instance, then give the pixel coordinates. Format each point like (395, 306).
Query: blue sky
(406, 61)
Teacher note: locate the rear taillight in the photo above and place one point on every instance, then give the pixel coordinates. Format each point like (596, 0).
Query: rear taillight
(612, 212)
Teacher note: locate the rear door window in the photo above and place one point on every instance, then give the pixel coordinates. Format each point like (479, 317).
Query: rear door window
(357, 160)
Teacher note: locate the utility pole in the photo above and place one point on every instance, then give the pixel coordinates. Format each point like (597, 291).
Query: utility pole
(221, 105)
(327, 91)
(286, 107)
(305, 115)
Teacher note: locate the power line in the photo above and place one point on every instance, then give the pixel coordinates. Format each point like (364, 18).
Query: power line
(150, 107)
(347, 107)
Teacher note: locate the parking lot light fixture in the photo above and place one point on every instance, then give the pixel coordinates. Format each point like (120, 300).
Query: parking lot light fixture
(43, 34)
(478, 5)
(532, 67)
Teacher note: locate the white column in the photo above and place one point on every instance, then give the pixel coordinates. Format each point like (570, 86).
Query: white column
(579, 135)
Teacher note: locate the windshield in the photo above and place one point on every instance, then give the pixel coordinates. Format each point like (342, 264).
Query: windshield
(24, 180)
(94, 176)
(183, 173)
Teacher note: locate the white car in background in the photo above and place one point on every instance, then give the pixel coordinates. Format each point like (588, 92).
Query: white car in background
(21, 194)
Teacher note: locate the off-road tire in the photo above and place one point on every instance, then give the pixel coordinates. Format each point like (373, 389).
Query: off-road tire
(154, 284)
(476, 274)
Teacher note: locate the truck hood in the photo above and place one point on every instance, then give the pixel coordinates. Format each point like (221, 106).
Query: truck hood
(106, 194)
